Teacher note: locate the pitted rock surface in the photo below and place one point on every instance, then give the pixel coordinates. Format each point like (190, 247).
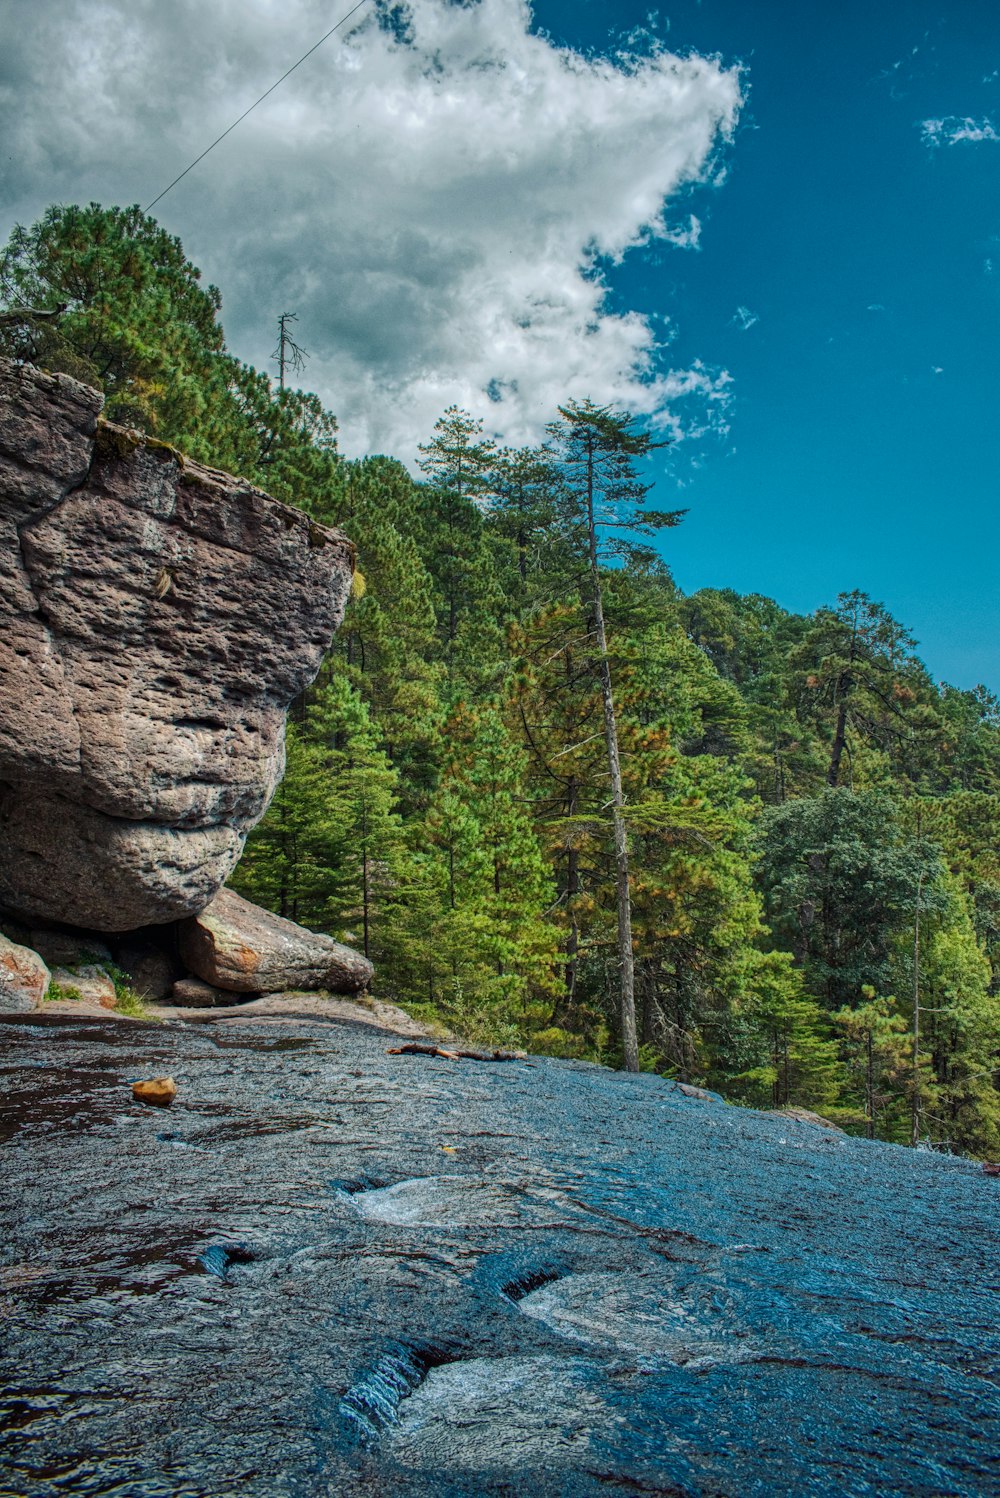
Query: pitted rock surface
(156, 619)
(329, 1270)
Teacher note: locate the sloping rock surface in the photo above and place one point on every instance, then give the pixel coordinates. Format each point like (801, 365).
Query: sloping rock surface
(156, 618)
(238, 946)
(330, 1270)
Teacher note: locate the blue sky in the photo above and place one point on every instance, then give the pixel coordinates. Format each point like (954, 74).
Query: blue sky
(864, 442)
(426, 198)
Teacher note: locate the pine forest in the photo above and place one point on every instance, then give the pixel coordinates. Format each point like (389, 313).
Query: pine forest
(560, 804)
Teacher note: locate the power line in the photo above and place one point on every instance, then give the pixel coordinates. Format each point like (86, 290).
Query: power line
(253, 106)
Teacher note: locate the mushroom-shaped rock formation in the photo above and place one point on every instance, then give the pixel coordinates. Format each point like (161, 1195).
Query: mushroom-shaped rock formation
(156, 619)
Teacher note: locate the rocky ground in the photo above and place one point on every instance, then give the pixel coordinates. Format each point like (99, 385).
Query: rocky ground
(331, 1270)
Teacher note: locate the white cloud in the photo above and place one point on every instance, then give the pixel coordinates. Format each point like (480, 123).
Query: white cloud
(745, 319)
(433, 192)
(685, 237)
(876, 306)
(951, 130)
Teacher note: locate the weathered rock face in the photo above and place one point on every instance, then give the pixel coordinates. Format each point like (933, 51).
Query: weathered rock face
(237, 946)
(90, 983)
(67, 948)
(24, 977)
(156, 618)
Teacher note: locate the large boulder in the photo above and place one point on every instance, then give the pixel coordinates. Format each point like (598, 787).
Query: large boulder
(235, 945)
(24, 977)
(156, 619)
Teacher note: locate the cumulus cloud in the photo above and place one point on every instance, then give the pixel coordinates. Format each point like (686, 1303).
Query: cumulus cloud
(435, 192)
(951, 130)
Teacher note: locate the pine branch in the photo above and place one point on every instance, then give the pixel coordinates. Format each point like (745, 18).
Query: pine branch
(31, 314)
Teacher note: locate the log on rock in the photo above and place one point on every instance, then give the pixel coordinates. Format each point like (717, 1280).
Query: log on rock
(414, 1048)
(156, 619)
(237, 946)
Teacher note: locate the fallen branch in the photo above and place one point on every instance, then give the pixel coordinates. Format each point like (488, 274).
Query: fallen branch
(413, 1048)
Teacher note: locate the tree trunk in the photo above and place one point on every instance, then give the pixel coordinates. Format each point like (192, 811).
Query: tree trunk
(572, 890)
(915, 1125)
(365, 893)
(839, 740)
(626, 961)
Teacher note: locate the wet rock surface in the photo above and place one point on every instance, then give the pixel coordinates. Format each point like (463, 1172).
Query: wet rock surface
(328, 1270)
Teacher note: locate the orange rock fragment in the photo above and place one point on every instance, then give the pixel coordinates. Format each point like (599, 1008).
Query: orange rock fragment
(158, 1091)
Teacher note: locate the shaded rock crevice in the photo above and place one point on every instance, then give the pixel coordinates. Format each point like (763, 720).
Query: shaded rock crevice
(21, 530)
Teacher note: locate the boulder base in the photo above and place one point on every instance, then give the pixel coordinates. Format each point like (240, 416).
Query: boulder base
(193, 993)
(235, 945)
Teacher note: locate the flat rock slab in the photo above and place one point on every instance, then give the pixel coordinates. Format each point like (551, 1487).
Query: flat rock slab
(343, 1272)
(235, 945)
(156, 619)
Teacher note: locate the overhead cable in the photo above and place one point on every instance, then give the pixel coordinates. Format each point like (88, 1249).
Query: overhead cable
(253, 106)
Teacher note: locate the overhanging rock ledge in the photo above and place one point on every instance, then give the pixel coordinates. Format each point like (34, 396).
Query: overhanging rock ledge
(156, 620)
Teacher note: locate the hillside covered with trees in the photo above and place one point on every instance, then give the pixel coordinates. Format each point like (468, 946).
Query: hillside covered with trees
(531, 765)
